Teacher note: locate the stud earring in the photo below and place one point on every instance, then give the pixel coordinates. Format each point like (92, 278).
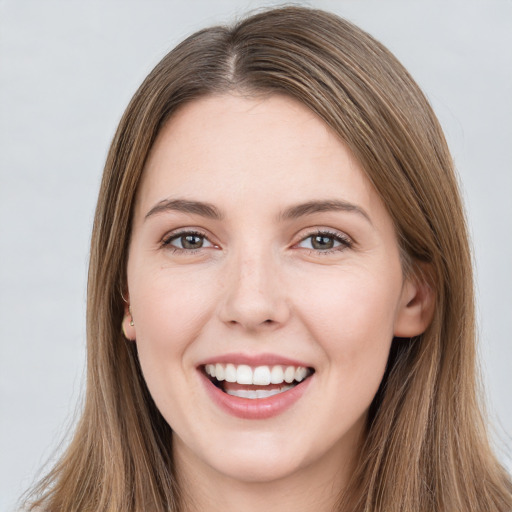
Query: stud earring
(130, 322)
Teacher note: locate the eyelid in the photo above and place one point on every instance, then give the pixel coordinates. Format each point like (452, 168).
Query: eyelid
(173, 235)
(345, 241)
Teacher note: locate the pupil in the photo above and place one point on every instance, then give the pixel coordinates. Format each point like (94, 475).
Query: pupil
(322, 242)
(191, 241)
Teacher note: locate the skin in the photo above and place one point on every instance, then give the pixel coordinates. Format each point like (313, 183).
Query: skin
(259, 285)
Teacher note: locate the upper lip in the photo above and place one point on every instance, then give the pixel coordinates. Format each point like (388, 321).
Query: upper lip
(254, 360)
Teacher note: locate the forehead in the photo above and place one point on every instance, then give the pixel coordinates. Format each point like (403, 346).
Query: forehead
(228, 147)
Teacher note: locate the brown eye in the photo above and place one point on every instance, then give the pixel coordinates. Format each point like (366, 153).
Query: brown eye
(188, 241)
(323, 242)
(191, 241)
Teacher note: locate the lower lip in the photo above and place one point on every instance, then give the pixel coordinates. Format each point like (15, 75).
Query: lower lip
(257, 408)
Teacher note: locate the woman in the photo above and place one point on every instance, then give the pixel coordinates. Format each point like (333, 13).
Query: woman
(280, 303)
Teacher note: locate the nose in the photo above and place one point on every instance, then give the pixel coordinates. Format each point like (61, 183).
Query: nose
(255, 297)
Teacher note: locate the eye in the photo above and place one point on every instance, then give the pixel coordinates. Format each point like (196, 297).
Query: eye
(325, 242)
(187, 241)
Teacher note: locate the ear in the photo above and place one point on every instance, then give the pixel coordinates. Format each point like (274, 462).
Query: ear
(417, 304)
(128, 324)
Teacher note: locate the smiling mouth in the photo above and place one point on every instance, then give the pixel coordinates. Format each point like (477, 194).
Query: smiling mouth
(258, 382)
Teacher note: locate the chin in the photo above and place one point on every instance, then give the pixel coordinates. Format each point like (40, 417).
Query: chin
(257, 467)
(246, 457)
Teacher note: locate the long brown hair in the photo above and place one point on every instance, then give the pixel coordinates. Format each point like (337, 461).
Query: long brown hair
(426, 447)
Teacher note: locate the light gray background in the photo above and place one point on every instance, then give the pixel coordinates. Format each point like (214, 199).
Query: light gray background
(67, 71)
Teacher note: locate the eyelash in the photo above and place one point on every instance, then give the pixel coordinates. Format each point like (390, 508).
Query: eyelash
(344, 241)
(166, 242)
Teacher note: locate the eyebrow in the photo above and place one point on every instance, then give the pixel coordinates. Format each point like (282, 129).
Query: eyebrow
(312, 207)
(293, 212)
(186, 206)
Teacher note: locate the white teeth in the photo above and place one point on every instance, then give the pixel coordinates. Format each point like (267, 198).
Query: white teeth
(264, 393)
(301, 373)
(219, 372)
(261, 376)
(289, 374)
(257, 393)
(230, 374)
(277, 375)
(258, 376)
(244, 374)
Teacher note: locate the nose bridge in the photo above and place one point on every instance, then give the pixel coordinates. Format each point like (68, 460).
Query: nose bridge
(254, 296)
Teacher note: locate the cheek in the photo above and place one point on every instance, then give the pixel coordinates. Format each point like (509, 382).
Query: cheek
(351, 317)
(166, 302)
(170, 309)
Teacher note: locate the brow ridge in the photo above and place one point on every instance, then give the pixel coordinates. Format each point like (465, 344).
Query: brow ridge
(312, 207)
(186, 206)
(291, 213)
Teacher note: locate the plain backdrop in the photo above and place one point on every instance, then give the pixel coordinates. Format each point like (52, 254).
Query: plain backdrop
(67, 71)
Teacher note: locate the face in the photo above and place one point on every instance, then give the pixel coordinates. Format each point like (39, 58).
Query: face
(265, 286)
